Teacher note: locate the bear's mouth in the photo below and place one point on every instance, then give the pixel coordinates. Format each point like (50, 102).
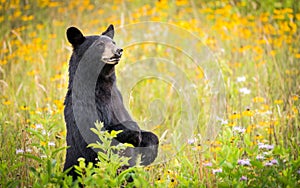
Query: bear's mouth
(113, 59)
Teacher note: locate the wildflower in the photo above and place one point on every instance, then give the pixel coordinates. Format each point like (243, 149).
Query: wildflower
(239, 129)
(7, 102)
(197, 148)
(38, 126)
(231, 124)
(24, 108)
(42, 143)
(241, 79)
(274, 161)
(298, 171)
(235, 116)
(218, 170)
(51, 143)
(245, 91)
(192, 140)
(19, 151)
(208, 164)
(244, 162)
(28, 150)
(268, 164)
(295, 110)
(248, 112)
(258, 99)
(243, 178)
(260, 157)
(278, 101)
(266, 153)
(223, 122)
(265, 146)
(43, 156)
(295, 98)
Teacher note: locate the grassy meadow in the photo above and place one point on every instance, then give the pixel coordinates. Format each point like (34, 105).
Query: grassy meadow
(255, 45)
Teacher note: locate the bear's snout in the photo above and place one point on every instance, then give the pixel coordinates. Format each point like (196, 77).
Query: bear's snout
(119, 52)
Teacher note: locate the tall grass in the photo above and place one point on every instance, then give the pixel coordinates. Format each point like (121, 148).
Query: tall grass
(256, 44)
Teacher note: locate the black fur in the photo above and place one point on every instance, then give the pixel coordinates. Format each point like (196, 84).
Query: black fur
(110, 110)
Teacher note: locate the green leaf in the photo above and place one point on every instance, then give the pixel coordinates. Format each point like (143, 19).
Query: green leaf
(93, 145)
(257, 163)
(114, 133)
(58, 150)
(37, 134)
(32, 169)
(49, 168)
(33, 157)
(102, 156)
(228, 165)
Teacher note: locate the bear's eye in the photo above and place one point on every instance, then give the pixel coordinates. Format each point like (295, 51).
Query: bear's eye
(100, 43)
(114, 42)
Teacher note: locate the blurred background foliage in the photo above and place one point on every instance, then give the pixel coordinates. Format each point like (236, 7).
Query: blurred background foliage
(256, 42)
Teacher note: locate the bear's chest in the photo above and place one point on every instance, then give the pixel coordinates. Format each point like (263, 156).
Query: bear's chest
(110, 107)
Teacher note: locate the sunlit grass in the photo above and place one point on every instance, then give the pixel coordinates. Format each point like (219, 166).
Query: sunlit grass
(258, 49)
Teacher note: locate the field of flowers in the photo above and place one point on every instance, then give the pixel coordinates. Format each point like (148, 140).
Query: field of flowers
(255, 43)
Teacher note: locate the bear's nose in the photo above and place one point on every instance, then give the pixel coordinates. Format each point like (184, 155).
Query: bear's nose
(119, 51)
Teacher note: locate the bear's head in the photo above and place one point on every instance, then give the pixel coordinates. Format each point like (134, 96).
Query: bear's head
(110, 53)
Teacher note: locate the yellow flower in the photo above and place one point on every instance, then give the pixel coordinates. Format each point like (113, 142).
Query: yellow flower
(42, 143)
(270, 130)
(56, 77)
(278, 101)
(259, 137)
(258, 99)
(297, 56)
(53, 4)
(33, 126)
(287, 10)
(235, 116)
(295, 110)
(248, 113)
(52, 36)
(264, 108)
(250, 128)
(24, 108)
(27, 18)
(273, 53)
(295, 98)
(17, 14)
(181, 2)
(47, 99)
(263, 123)
(40, 26)
(3, 62)
(264, 18)
(32, 73)
(6, 102)
(59, 104)
(231, 124)
(278, 17)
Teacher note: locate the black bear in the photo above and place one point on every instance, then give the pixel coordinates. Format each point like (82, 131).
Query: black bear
(104, 102)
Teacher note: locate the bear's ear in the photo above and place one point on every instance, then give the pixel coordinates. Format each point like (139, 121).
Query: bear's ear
(75, 37)
(110, 32)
